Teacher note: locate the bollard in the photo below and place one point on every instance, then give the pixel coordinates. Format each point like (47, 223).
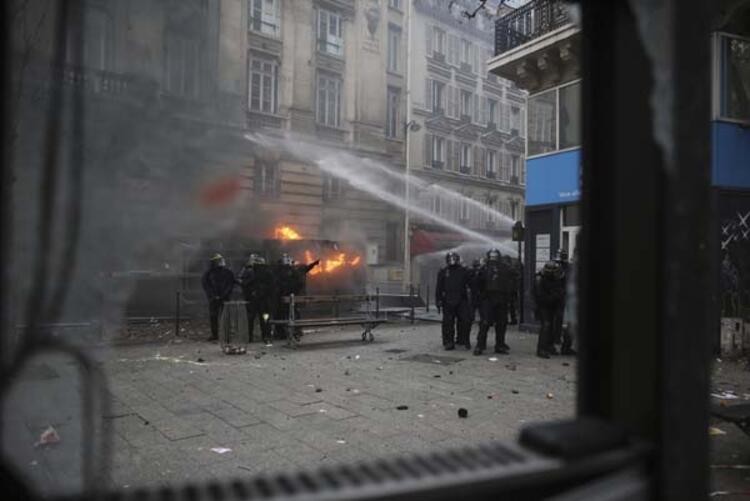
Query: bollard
(177, 314)
(411, 301)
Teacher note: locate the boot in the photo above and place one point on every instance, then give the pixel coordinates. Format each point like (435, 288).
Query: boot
(478, 351)
(503, 349)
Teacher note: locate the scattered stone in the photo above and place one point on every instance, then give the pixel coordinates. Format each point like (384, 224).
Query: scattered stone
(550, 396)
(221, 450)
(200, 360)
(48, 437)
(402, 407)
(566, 364)
(713, 431)
(340, 441)
(436, 375)
(515, 392)
(463, 413)
(380, 368)
(318, 390)
(450, 372)
(420, 416)
(493, 359)
(489, 397)
(511, 367)
(346, 372)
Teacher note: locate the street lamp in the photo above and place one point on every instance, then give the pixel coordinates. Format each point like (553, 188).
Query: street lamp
(518, 235)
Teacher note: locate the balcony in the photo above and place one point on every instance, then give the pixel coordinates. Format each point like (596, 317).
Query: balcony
(491, 174)
(536, 45)
(437, 164)
(464, 169)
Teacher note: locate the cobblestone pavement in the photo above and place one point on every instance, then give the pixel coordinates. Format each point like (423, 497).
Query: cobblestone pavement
(334, 399)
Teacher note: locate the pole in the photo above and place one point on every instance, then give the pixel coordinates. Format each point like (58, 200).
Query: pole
(407, 151)
(520, 287)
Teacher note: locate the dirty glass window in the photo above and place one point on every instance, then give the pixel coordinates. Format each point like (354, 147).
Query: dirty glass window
(570, 116)
(330, 37)
(329, 100)
(542, 123)
(735, 77)
(182, 66)
(265, 16)
(393, 122)
(264, 85)
(394, 48)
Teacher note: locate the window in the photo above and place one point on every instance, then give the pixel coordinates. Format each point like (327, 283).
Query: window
(453, 50)
(467, 54)
(392, 113)
(182, 60)
(332, 188)
(505, 117)
(439, 41)
(465, 103)
(570, 116)
(265, 17)
(492, 111)
(490, 164)
(396, 4)
(266, 181)
(436, 96)
(514, 169)
(542, 123)
(96, 40)
(329, 101)
(263, 85)
(465, 166)
(394, 48)
(330, 38)
(734, 84)
(464, 213)
(554, 119)
(436, 152)
(436, 204)
(515, 120)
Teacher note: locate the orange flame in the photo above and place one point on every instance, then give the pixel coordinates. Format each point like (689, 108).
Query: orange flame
(329, 263)
(286, 233)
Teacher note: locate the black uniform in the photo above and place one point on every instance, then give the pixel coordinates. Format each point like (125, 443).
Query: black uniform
(290, 280)
(258, 289)
(218, 282)
(474, 303)
(557, 327)
(515, 279)
(452, 295)
(494, 290)
(549, 293)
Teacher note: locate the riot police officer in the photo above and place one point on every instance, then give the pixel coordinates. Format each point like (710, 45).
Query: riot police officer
(452, 295)
(258, 284)
(514, 275)
(474, 302)
(549, 294)
(290, 278)
(559, 335)
(218, 282)
(494, 290)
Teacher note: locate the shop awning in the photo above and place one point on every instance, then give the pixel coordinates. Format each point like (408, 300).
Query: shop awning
(424, 241)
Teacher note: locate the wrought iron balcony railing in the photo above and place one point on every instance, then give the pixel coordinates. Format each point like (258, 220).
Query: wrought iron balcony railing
(528, 22)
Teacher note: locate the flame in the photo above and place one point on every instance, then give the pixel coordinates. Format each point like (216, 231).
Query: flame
(329, 263)
(286, 233)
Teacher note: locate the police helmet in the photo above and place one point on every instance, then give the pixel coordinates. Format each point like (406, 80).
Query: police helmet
(452, 258)
(493, 255)
(286, 259)
(218, 260)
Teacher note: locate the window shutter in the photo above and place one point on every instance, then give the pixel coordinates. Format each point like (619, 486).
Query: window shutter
(457, 155)
(475, 117)
(484, 112)
(449, 156)
(428, 94)
(505, 116)
(428, 41)
(456, 112)
(478, 159)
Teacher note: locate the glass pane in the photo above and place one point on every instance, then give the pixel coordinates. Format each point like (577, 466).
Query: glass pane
(542, 123)
(255, 92)
(570, 116)
(736, 78)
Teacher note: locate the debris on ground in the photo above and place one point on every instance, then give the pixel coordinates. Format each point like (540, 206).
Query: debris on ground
(515, 392)
(420, 416)
(550, 396)
(380, 368)
(200, 360)
(725, 395)
(318, 390)
(493, 359)
(235, 350)
(566, 364)
(436, 375)
(402, 407)
(463, 413)
(731, 466)
(489, 397)
(511, 367)
(346, 372)
(713, 431)
(220, 450)
(340, 441)
(48, 437)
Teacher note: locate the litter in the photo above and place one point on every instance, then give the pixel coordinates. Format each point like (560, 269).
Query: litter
(420, 416)
(322, 411)
(200, 360)
(235, 350)
(356, 357)
(318, 390)
(725, 395)
(489, 397)
(566, 364)
(713, 431)
(402, 407)
(515, 392)
(493, 359)
(48, 437)
(550, 396)
(511, 367)
(220, 450)
(268, 345)
(463, 413)
(380, 368)
(339, 441)
(436, 375)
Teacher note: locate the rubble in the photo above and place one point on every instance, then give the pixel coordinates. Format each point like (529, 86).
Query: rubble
(463, 413)
(48, 437)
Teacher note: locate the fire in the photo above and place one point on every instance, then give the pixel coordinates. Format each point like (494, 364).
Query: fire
(329, 263)
(286, 233)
